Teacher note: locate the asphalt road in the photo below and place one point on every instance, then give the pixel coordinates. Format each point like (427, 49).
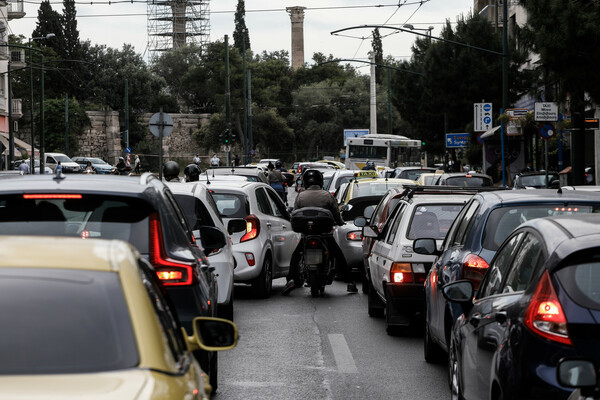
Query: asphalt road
(299, 347)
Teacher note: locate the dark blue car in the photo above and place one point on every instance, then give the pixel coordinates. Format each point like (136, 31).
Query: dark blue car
(472, 241)
(538, 303)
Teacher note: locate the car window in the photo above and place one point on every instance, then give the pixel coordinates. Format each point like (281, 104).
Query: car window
(502, 221)
(381, 208)
(581, 278)
(263, 201)
(465, 224)
(277, 205)
(474, 181)
(231, 205)
(61, 321)
(393, 226)
(432, 220)
(194, 210)
(493, 279)
(83, 215)
(525, 264)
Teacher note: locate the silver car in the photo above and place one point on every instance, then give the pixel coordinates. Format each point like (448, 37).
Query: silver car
(200, 210)
(260, 228)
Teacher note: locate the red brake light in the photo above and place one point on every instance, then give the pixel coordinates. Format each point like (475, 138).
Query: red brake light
(252, 228)
(51, 196)
(544, 315)
(170, 272)
(401, 273)
(474, 268)
(354, 236)
(312, 243)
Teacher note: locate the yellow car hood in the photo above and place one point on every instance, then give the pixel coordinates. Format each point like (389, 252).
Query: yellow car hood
(126, 384)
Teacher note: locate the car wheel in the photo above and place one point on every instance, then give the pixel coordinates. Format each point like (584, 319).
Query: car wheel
(375, 304)
(431, 350)
(263, 284)
(454, 374)
(226, 310)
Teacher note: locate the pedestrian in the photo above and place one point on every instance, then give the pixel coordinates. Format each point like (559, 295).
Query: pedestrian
(24, 168)
(275, 179)
(197, 159)
(236, 161)
(215, 161)
(136, 164)
(58, 168)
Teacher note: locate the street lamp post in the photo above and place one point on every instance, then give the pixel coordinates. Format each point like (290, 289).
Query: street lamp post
(504, 54)
(412, 28)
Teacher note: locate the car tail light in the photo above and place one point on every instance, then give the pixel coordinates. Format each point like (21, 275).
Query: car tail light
(250, 259)
(170, 272)
(544, 315)
(474, 268)
(401, 273)
(354, 236)
(252, 228)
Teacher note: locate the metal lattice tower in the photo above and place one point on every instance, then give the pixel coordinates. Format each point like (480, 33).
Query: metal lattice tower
(174, 23)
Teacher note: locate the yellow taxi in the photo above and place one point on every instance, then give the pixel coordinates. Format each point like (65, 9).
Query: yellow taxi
(371, 187)
(86, 319)
(429, 178)
(334, 164)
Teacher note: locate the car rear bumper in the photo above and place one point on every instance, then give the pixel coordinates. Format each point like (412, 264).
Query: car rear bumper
(405, 301)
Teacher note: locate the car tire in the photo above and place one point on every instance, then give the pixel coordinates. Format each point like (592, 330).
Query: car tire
(263, 284)
(431, 350)
(375, 305)
(225, 311)
(454, 374)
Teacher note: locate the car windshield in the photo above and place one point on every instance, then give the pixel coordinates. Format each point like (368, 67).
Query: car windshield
(62, 158)
(231, 205)
(432, 220)
(473, 181)
(581, 280)
(535, 180)
(412, 174)
(58, 321)
(96, 161)
(503, 220)
(82, 215)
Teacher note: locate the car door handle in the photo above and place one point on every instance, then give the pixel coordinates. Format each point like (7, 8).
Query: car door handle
(268, 224)
(283, 227)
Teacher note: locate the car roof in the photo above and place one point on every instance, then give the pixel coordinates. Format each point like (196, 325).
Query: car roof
(27, 251)
(539, 195)
(235, 185)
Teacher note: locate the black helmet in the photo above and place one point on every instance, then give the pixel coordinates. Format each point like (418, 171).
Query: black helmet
(170, 170)
(192, 173)
(278, 164)
(312, 177)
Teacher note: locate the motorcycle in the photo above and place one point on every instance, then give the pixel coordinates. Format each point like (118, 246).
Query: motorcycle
(315, 225)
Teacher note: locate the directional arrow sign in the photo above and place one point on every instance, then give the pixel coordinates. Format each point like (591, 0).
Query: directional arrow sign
(454, 140)
(482, 116)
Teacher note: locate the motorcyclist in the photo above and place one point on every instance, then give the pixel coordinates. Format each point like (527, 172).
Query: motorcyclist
(315, 196)
(121, 165)
(171, 171)
(275, 179)
(192, 173)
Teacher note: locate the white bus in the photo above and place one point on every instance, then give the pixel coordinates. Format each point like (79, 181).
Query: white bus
(384, 150)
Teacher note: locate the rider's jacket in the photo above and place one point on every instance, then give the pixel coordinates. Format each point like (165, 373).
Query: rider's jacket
(315, 196)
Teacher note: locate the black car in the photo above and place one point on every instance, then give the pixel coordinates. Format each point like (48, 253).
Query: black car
(538, 303)
(141, 211)
(472, 241)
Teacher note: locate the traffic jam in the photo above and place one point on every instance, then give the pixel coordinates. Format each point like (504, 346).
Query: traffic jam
(129, 284)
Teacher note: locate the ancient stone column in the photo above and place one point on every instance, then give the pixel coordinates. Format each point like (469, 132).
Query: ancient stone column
(297, 17)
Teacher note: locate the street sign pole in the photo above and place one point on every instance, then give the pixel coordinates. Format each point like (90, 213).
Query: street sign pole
(160, 141)
(502, 150)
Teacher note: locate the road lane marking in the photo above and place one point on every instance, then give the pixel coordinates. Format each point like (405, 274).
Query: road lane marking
(341, 352)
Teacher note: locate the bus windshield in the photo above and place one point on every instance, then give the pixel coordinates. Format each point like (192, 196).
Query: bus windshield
(374, 152)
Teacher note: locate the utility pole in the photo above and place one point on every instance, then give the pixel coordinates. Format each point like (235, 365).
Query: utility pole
(67, 125)
(227, 103)
(245, 155)
(373, 103)
(126, 113)
(11, 134)
(250, 113)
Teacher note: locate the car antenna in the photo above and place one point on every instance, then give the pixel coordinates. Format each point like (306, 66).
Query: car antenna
(207, 180)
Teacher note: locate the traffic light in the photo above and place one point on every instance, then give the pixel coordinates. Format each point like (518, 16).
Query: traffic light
(422, 143)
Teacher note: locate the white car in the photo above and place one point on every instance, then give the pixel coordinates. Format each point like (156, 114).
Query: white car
(68, 165)
(201, 210)
(396, 273)
(259, 224)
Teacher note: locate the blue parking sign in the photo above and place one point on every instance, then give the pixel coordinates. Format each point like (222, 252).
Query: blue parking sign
(454, 140)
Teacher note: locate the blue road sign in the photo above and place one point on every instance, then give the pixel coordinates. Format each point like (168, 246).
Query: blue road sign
(128, 150)
(487, 107)
(546, 130)
(457, 140)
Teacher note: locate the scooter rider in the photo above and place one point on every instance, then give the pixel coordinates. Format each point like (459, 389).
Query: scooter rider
(192, 173)
(315, 196)
(171, 171)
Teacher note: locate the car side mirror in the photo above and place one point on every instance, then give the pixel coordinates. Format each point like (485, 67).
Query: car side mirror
(212, 239)
(459, 291)
(236, 225)
(426, 246)
(212, 334)
(368, 213)
(576, 373)
(370, 232)
(361, 222)
(346, 207)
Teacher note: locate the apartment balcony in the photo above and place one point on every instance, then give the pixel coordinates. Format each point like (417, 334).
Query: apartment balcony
(15, 9)
(17, 59)
(17, 108)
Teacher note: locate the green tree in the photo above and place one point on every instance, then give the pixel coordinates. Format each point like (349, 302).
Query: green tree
(378, 56)
(55, 124)
(241, 37)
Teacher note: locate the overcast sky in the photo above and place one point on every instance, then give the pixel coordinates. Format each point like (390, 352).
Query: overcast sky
(269, 24)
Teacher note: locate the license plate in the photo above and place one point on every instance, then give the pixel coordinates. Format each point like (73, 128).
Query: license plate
(313, 256)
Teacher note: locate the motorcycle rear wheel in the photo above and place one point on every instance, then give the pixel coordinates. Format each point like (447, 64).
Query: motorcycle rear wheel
(313, 281)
